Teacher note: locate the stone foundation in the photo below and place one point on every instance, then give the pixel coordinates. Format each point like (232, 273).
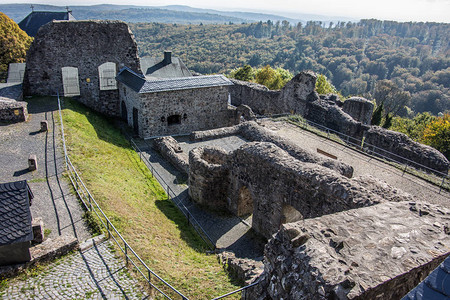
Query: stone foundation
(168, 147)
(251, 131)
(377, 252)
(13, 111)
(209, 177)
(245, 270)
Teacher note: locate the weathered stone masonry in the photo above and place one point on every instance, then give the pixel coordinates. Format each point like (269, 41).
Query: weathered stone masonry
(299, 97)
(377, 252)
(84, 45)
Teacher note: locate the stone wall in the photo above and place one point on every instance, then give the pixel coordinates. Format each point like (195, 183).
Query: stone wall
(360, 109)
(298, 96)
(251, 131)
(197, 109)
(377, 252)
(84, 45)
(13, 111)
(405, 149)
(283, 188)
(170, 150)
(209, 177)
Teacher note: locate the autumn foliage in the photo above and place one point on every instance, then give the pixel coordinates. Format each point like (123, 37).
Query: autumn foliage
(437, 134)
(14, 43)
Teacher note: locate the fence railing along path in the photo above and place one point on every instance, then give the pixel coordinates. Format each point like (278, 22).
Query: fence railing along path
(442, 180)
(154, 280)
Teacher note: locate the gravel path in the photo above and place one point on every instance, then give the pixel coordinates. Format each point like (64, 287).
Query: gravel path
(59, 209)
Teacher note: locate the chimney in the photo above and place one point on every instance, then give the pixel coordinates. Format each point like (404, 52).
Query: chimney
(167, 57)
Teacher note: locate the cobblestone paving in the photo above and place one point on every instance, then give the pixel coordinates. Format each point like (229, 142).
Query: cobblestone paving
(91, 274)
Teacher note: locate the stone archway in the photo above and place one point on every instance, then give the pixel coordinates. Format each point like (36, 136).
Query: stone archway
(289, 214)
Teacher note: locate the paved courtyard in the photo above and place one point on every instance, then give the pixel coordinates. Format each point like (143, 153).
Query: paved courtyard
(91, 274)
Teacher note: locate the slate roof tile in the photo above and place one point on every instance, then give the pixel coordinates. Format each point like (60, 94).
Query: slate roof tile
(15, 214)
(435, 286)
(141, 85)
(31, 23)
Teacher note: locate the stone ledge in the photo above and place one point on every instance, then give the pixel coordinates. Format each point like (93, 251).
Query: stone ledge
(49, 250)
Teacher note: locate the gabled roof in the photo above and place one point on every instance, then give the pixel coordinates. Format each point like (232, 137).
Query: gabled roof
(15, 215)
(142, 85)
(154, 68)
(36, 19)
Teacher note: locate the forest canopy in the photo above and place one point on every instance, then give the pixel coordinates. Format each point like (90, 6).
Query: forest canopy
(410, 59)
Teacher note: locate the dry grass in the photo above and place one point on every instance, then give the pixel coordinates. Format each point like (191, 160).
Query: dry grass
(137, 206)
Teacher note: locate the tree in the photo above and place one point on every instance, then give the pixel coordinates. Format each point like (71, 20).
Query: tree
(14, 43)
(246, 73)
(437, 135)
(392, 98)
(274, 79)
(377, 115)
(323, 86)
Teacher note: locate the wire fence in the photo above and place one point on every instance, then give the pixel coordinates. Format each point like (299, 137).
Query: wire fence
(155, 282)
(438, 178)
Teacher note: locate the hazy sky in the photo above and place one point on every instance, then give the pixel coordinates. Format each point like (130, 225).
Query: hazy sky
(401, 10)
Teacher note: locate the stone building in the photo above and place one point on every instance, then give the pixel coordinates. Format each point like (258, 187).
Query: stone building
(81, 58)
(173, 106)
(31, 23)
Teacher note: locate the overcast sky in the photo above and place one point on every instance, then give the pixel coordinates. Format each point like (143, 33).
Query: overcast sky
(400, 10)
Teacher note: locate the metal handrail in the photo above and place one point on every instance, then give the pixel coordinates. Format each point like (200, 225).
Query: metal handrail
(238, 290)
(74, 176)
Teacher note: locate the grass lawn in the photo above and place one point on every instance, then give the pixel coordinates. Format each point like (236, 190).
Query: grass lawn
(138, 206)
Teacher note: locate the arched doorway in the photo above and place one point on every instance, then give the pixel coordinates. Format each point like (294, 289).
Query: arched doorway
(135, 120)
(124, 112)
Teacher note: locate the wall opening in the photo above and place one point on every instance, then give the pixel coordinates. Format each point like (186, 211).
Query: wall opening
(173, 120)
(245, 202)
(124, 112)
(290, 214)
(107, 76)
(71, 83)
(135, 120)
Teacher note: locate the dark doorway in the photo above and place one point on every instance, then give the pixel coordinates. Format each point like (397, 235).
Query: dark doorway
(124, 111)
(135, 120)
(173, 120)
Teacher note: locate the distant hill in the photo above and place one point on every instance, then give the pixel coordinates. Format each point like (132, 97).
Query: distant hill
(162, 14)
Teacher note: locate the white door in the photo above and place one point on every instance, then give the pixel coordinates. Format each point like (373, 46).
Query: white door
(70, 81)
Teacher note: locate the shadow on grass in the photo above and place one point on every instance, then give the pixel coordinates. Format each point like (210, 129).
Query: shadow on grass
(187, 232)
(103, 125)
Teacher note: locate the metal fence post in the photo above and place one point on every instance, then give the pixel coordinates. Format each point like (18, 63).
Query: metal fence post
(126, 254)
(107, 228)
(442, 183)
(406, 166)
